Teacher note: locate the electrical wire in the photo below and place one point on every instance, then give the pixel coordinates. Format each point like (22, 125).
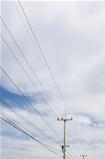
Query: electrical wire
(44, 58)
(28, 101)
(33, 72)
(29, 65)
(30, 136)
(20, 65)
(43, 55)
(15, 122)
(22, 117)
(6, 119)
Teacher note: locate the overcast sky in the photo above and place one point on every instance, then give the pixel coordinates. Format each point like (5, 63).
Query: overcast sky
(72, 37)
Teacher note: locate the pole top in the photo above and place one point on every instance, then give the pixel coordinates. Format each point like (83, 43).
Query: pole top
(64, 119)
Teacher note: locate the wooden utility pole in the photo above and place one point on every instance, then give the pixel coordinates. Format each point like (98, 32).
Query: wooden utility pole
(83, 156)
(64, 146)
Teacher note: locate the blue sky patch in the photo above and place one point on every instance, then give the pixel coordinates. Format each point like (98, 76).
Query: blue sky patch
(18, 100)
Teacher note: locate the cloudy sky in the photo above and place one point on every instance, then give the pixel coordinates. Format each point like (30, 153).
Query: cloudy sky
(72, 38)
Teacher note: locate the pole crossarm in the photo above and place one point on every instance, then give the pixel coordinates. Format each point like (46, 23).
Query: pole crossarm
(64, 119)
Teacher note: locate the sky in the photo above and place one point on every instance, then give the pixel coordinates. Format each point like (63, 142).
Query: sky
(72, 38)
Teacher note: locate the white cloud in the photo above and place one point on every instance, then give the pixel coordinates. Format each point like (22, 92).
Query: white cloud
(72, 37)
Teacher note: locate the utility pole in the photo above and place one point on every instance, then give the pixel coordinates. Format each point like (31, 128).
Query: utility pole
(64, 146)
(83, 156)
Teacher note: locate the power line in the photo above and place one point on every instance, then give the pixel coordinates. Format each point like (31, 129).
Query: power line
(22, 117)
(20, 64)
(48, 65)
(35, 75)
(41, 51)
(14, 122)
(8, 105)
(43, 144)
(28, 101)
(56, 85)
(25, 59)
(7, 120)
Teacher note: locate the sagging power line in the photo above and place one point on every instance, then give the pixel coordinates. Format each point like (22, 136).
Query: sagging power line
(11, 108)
(43, 56)
(10, 122)
(28, 101)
